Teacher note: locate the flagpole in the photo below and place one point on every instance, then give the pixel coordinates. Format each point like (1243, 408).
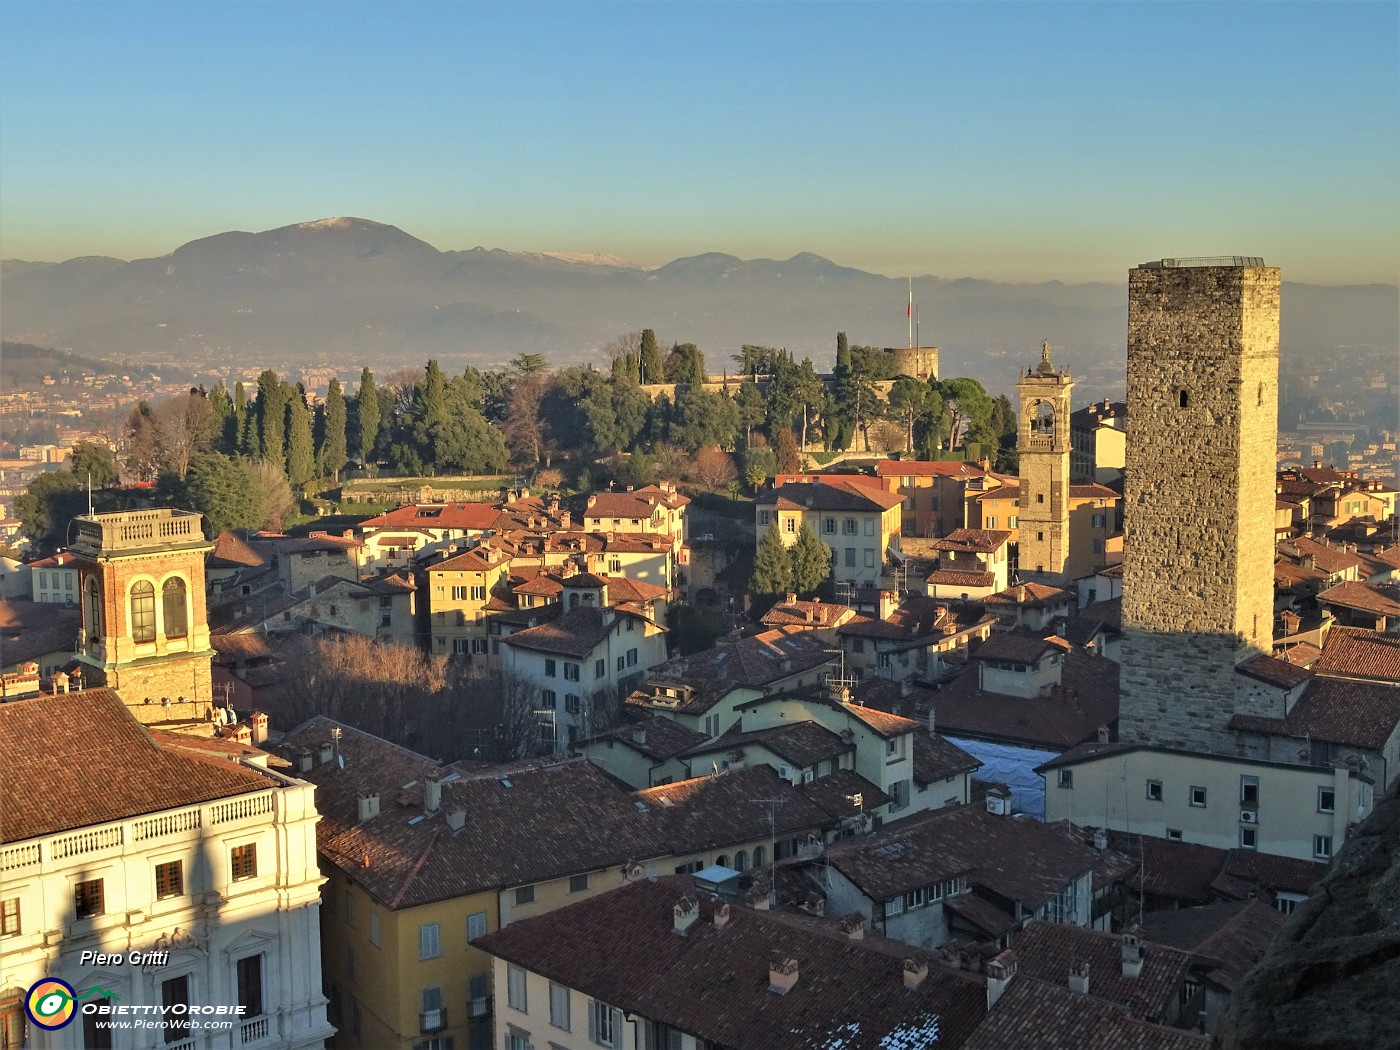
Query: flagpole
(910, 313)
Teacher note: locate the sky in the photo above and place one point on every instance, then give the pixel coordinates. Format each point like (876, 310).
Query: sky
(1011, 141)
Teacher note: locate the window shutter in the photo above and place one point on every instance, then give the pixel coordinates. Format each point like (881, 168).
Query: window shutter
(593, 1021)
(616, 1032)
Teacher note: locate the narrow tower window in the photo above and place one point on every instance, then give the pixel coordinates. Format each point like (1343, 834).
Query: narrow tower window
(143, 612)
(1182, 397)
(173, 596)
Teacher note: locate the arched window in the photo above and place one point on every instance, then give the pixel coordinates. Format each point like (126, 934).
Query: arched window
(92, 611)
(177, 621)
(143, 612)
(758, 857)
(741, 860)
(1183, 398)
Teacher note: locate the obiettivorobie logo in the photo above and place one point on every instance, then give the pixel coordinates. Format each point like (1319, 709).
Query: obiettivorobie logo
(52, 1003)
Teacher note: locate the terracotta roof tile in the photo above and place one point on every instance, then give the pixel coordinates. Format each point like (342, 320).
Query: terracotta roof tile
(1035, 1013)
(453, 516)
(1270, 669)
(834, 792)
(1047, 950)
(1380, 599)
(574, 633)
(1233, 934)
(29, 630)
(716, 811)
(937, 759)
(975, 541)
(806, 495)
(1337, 710)
(621, 949)
(802, 744)
(552, 820)
(79, 759)
(1353, 652)
(957, 578)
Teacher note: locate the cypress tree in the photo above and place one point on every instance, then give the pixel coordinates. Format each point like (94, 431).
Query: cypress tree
(332, 451)
(301, 456)
(652, 369)
(811, 561)
(367, 409)
(273, 396)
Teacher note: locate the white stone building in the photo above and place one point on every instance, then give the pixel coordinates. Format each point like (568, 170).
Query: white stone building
(116, 841)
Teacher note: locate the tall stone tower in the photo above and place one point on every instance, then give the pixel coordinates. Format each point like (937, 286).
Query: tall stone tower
(1199, 499)
(145, 631)
(1044, 446)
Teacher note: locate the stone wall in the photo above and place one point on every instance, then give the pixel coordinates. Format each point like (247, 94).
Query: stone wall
(1199, 502)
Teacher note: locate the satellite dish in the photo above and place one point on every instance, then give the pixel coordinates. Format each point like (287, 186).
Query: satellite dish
(341, 760)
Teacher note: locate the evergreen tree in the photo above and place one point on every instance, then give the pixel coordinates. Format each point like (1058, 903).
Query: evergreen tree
(843, 423)
(273, 397)
(685, 364)
(464, 441)
(224, 491)
(332, 453)
(772, 566)
(811, 561)
(301, 453)
(367, 413)
(235, 424)
(753, 410)
(652, 369)
(789, 460)
(221, 408)
(48, 505)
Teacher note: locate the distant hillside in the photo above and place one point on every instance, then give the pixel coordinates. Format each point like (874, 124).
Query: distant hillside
(23, 366)
(347, 291)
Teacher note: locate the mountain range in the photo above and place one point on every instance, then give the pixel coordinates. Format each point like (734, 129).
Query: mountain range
(346, 291)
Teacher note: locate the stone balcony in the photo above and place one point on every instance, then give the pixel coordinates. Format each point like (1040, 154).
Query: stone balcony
(100, 534)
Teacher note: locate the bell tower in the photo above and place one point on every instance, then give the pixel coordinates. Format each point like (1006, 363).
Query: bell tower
(1043, 442)
(145, 629)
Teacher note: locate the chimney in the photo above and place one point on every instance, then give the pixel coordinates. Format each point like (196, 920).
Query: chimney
(853, 926)
(1100, 839)
(889, 602)
(782, 974)
(1000, 973)
(1104, 734)
(790, 598)
(915, 971)
(906, 687)
(305, 760)
(432, 794)
(457, 819)
(1079, 978)
(686, 911)
(259, 723)
(591, 501)
(327, 752)
(369, 805)
(757, 896)
(932, 720)
(1132, 955)
(639, 735)
(721, 915)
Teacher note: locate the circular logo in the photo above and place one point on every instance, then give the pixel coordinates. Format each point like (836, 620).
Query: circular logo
(50, 1003)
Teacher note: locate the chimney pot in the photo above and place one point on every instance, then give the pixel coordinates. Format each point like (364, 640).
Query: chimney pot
(853, 926)
(721, 915)
(369, 805)
(782, 974)
(685, 911)
(915, 970)
(432, 794)
(1132, 955)
(1079, 978)
(1000, 973)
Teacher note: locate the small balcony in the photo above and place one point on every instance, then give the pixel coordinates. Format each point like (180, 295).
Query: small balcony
(432, 1020)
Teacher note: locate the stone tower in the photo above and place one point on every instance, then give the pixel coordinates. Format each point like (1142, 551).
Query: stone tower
(1199, 501)
(1044, 446)
(145, 631)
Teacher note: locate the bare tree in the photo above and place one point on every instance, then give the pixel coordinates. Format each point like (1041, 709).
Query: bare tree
(523, 428)
(629, 344)
(713, 468)
(184, 427)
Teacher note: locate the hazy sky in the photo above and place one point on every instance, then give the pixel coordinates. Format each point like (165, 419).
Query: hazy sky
(1005, 140)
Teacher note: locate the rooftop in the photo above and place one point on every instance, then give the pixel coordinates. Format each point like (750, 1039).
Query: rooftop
(138, 530)
(80, 759)
(713, 983)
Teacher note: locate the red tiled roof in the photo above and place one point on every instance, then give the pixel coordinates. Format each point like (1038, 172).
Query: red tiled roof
(937, 759)
(574, 633)
(1092, 491)
(834, 792)
(913, 468)
(1233, 934)
(956, 578)
(1353, 652)
(1016, 648)
(712, 812)
(1048, 950)
(1029, 596)
(621, 949)
(232, 551)
(455, 516)
(802, 744)
(976, 541)
(1282, 673)
(80, 759)
(1338, 710)
(1035, 1013)
(523, 824)
(1380, 599)
(804, 495)
(640, 504)
(657, 737)
(815, 613)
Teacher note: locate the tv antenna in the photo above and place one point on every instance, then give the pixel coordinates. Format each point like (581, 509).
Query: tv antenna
(772, 804)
